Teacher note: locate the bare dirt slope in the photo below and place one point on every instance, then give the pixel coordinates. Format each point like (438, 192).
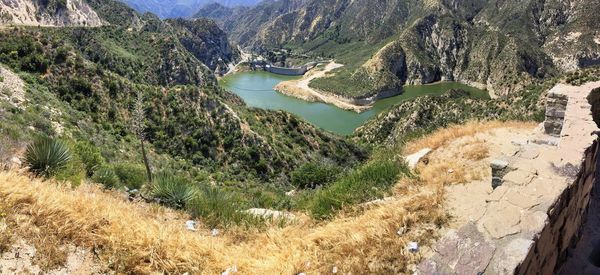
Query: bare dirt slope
(301, 89)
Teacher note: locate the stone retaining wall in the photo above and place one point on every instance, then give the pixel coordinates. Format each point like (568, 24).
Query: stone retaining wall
(287, 71)
(528, 217)
(565, 220)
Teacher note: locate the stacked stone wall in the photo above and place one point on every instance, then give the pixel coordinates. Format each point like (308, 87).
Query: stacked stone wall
(565, 219)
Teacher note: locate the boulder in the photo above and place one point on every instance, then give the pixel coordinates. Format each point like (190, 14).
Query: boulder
(414, 159)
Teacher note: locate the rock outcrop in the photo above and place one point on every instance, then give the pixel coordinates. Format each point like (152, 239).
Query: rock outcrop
(207, 42)
(58, 13)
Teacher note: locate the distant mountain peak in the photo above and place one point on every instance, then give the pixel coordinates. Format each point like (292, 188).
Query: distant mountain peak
(182, 8)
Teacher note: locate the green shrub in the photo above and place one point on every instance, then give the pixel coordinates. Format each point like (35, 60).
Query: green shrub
(90, 156)
(314, 174)
(217, 208)
(174, 191)
(46, 156)
(133, 176)
(106, 176)
(73, 172)
(368, 182)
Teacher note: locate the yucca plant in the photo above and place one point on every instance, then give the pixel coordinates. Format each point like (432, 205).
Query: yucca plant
(106, 176)
(171, 190)
(47, 156)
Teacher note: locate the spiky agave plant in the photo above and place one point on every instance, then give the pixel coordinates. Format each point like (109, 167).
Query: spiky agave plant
(47, 156)
(106, 176)
(174, 191)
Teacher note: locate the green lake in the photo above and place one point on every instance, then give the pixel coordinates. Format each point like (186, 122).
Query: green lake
(256, 89)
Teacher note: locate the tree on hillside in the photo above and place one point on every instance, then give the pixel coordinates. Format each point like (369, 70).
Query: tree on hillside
(138, 125)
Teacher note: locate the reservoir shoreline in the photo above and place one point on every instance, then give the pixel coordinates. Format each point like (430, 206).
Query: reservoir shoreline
(258, 89)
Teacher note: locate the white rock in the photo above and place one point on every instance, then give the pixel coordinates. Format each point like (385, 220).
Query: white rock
(230, 270)
(414, 159)
(413, 247)
(334, 270)
(450, 171)
(270, 214)
(214, 232)
(16, 161)
(401, 231)
(291, 193)
(191, 225)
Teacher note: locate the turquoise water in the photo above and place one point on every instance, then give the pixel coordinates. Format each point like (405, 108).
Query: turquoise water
(256, 88)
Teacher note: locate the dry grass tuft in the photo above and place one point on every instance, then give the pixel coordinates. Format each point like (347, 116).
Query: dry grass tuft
(477, 151)
(6, 236)
(443, 136)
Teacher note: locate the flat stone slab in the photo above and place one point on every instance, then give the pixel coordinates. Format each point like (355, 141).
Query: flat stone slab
(519, 177)
(529, 152)
(511, 256)
(465, 251)
(533, 222)
(498, 194)
(502, 219)
(522, 198)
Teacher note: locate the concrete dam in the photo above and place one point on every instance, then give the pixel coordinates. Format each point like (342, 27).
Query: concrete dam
(294, 71)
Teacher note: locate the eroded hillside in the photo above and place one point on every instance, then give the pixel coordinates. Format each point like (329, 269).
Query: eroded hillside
(49, 13)
(500, 46)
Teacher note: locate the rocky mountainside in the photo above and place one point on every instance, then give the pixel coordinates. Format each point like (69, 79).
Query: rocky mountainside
(48, 13)
(490, 44)
(201, 38)
(244, 25)
(181, 8)
(86, 81)
(207, 42)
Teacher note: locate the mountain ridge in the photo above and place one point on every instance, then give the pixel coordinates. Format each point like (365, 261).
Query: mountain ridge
(181, 8)
(489, 44)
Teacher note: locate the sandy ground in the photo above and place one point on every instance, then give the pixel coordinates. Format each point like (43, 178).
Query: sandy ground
(300, 89)
(21, 259)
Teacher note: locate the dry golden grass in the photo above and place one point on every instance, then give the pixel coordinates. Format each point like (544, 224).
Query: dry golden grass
(138, 238)
(443, 136)
(459, 156)
(6, 236)
(477, 151)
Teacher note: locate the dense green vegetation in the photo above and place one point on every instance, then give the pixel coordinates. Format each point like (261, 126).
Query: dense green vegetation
(411, 119)
(580, 77)
(204, 144)
(368, 182)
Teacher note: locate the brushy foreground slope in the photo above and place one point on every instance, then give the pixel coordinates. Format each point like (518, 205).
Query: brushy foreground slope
(142, 238)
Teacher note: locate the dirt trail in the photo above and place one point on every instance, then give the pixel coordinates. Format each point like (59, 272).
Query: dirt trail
(301, 89)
